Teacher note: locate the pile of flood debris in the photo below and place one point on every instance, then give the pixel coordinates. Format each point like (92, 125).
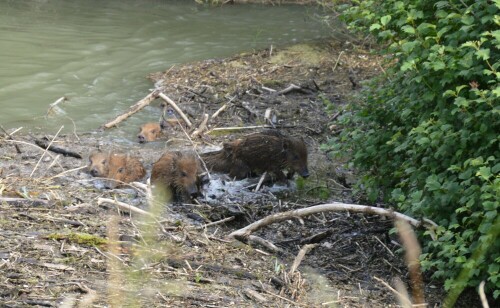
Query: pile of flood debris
(66, 240)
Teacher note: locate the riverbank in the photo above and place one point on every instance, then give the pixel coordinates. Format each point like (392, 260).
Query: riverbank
(62, 245)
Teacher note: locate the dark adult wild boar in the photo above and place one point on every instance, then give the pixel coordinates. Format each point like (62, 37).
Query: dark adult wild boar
(222, 160)
(149, 132)
(123, 168)
(116, 167)
(177, 172)
(268, 151)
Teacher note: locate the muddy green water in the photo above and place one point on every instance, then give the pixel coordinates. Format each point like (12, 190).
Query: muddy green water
(97, 53)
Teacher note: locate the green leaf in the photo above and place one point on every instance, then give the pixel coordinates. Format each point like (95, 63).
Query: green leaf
(385, 20)
(375, 27)
(484, 172)
(408, 29)
(438, 65)
(483, 54)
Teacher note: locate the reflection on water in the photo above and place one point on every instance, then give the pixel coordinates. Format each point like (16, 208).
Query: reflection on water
(97, 53)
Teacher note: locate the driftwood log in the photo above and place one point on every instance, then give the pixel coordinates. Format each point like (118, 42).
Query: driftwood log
(133, 109)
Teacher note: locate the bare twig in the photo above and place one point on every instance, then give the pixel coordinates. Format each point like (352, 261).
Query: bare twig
(67, 171)
(223, 108)
(264, 243)
(337, 62)
(54, 105)
(290, 88)
(133, 109)
(216, 222)
(201, 128)
(9, 136)
(176, 108)
(261, 181)
(123, 206)
(43, 154)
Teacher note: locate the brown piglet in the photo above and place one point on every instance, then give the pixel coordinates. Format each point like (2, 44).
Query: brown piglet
(117, 168)
(177, 172)
(149, 132)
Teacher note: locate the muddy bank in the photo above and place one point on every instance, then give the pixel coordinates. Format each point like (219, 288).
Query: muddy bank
(60, 245)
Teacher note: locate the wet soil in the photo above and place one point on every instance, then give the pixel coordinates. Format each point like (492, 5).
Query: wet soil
(59, 246)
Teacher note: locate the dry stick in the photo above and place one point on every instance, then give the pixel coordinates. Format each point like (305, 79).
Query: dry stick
(48, 147)
(261, 181)
(176, 108)
(133, 109)
(9, 136)
(54, 104)
(34, 145)
(412, 254)
(216, 222)
(290, 88)
(67, 171)
(265, 243)
(298, 259)
(337, 62)
(329, 207)
(202, 127)
(123, 206)
(224, 107)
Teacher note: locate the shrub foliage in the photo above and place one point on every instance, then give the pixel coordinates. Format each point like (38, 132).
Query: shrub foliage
(426, 134)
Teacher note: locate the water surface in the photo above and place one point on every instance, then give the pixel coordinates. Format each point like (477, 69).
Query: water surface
(97, 53)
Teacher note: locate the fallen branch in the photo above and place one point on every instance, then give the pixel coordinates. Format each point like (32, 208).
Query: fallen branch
(44, 144)
(133, 109)
(123, 206)
(176, 108)
(330, 207)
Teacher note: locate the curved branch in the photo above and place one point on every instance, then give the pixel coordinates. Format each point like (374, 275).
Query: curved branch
(329, 207)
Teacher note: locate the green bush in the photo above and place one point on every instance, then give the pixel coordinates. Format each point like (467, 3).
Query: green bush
(426, 135)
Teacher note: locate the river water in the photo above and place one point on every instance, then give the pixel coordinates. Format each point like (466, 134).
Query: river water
(97, 53)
